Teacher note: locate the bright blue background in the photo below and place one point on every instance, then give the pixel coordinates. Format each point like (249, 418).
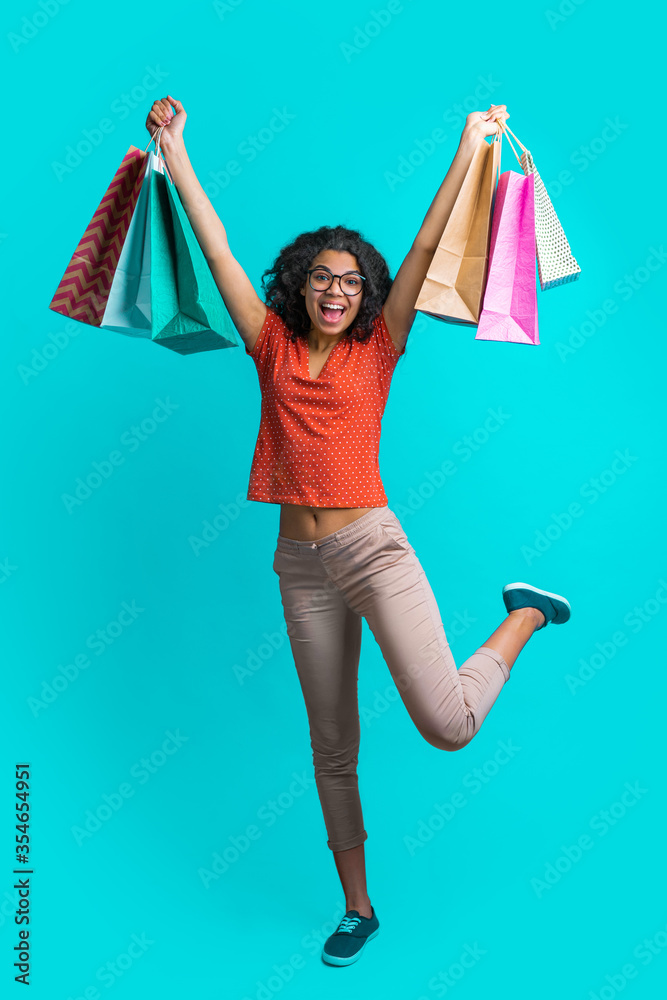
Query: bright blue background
(173, 667)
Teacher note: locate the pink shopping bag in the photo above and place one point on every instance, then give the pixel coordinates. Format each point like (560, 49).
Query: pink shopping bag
(509, 310)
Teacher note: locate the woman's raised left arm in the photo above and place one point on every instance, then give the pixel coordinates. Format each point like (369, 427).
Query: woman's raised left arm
(399, 311)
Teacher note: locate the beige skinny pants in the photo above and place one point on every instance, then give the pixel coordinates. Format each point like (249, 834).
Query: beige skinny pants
(368, 569)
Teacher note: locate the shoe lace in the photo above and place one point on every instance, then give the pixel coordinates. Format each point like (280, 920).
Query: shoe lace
(347, 925)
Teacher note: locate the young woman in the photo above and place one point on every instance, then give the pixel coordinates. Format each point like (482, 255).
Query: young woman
(326, 344)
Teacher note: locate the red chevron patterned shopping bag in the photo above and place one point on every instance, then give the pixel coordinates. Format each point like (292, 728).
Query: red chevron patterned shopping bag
(84, 288)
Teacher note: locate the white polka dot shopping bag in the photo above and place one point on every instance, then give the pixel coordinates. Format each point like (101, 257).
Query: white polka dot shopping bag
(555, 262)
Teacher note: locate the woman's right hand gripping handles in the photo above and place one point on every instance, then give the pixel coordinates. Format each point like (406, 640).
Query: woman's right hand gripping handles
(246, 309)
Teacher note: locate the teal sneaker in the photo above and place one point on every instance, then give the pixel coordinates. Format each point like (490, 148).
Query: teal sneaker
(522, 595)
(348, 941)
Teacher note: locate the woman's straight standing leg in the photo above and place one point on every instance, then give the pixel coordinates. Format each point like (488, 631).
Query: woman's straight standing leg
(325, 638)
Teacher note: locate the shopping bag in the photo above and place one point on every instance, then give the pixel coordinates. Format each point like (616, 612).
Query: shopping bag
(555, 261)
(188, 313)
(128, 307)
(84, 287)
(454, 285)
(509, 311)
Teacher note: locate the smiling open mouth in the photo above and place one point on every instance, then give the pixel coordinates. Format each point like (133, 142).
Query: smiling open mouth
(332, 313)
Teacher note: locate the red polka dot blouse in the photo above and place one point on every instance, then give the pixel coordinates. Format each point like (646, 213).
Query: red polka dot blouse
(319, 438)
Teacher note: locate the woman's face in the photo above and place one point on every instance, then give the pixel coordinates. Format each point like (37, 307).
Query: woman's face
(334, 321)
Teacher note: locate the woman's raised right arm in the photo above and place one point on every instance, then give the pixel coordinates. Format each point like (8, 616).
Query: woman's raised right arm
(246, 309)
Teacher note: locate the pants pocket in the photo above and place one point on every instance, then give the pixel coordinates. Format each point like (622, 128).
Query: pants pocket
(278, 561)
(393, 532)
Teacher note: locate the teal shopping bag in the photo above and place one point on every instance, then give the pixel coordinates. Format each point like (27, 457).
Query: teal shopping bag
(128, 308)
(188, 313)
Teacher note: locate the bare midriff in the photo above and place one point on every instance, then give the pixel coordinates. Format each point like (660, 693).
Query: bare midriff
(307, 524)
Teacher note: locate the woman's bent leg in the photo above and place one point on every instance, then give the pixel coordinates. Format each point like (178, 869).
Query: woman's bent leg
(447, 705)
(382, 579)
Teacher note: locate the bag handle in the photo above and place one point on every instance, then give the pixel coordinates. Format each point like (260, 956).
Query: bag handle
(516, 137)
(156, 138)
(504, 128)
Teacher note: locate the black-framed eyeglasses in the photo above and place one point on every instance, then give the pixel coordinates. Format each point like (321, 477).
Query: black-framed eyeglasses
(321, 278)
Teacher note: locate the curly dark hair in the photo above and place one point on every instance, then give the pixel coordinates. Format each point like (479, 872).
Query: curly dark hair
(288, 273)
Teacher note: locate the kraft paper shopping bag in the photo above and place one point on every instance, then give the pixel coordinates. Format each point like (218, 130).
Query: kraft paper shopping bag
(455, 281)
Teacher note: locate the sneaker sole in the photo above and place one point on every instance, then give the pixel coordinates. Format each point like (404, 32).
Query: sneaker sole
(559, 603)
(335, 960)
